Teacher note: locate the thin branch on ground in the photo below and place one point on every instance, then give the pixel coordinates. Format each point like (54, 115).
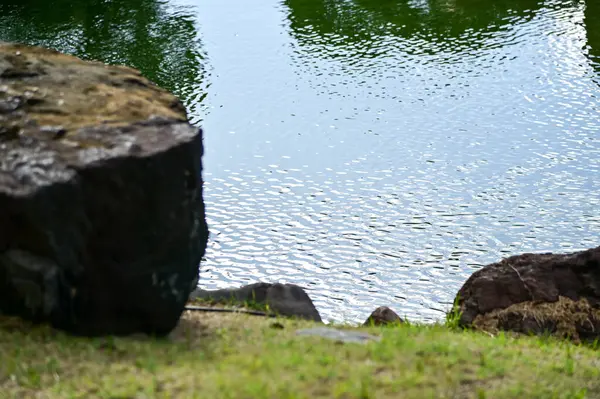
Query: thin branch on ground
(227, 310)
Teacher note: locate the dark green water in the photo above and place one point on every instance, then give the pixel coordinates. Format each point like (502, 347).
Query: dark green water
(375, 152)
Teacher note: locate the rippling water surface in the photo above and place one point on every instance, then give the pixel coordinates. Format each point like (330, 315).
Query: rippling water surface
(374, 152)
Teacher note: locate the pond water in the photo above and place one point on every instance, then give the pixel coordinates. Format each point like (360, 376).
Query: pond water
(376, 152)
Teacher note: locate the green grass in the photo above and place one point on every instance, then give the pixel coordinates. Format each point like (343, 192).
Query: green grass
(238, 356)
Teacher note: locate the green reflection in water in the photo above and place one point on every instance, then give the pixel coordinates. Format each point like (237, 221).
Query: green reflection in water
(149, 35)
(429, 26)
(432, 21)
(592, 25)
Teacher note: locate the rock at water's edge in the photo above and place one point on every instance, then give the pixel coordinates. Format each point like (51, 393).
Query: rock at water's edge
(284, 299)
(383, 316)
(102, 221)
(531, 278)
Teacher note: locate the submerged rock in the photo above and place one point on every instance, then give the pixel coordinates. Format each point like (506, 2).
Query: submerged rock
(382, 316)
(540, 289)
(283, 299)
(102, 221)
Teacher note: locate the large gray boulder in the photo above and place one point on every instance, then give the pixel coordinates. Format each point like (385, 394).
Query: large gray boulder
(102, 221)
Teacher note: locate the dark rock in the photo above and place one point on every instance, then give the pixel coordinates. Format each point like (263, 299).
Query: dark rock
(102, 221)
(284, 299)
(530, 278)
(382, 316)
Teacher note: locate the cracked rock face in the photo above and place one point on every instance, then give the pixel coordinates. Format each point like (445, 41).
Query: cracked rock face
(531, 279)
(102, 221)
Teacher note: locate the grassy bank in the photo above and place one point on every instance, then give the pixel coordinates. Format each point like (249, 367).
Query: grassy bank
(214, 355)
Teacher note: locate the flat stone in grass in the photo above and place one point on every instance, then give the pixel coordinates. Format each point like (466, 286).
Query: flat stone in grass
(339, 335)
(102, 221)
